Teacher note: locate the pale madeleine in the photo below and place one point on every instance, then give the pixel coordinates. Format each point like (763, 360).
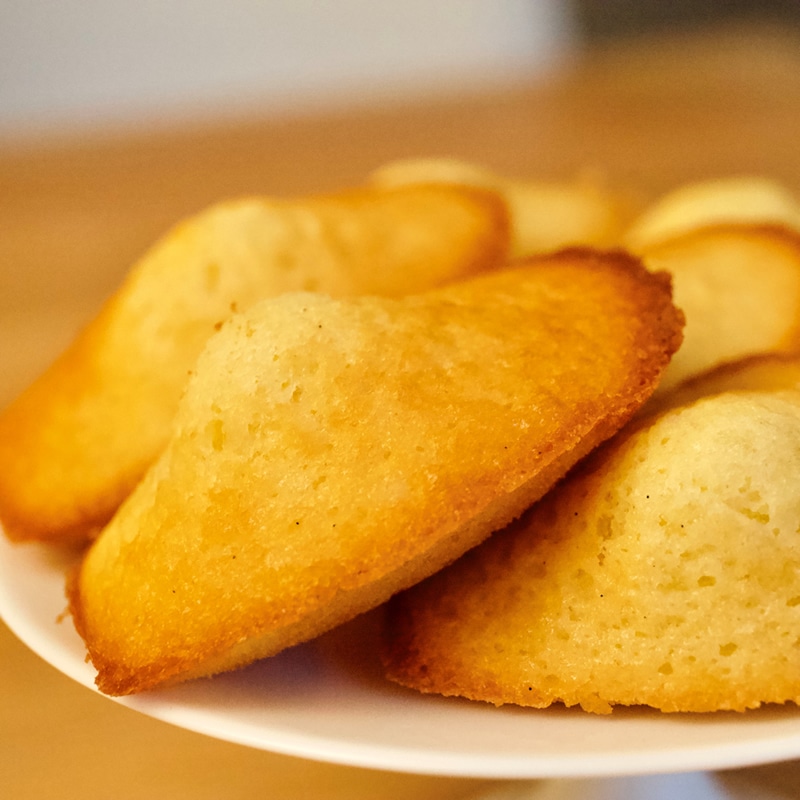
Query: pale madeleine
(739, 286)
(545, 214)
(664, 571)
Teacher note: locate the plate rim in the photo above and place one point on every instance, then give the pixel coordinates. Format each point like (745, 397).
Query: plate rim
(168, 707)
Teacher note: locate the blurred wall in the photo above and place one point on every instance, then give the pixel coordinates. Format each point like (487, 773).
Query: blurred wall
(78, 62)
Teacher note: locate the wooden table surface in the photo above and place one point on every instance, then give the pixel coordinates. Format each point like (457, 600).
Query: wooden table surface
(76, 211)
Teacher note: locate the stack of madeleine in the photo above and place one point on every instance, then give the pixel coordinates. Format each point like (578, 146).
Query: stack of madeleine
(553, 431)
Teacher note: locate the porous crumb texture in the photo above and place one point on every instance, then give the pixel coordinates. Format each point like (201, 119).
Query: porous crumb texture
(665, 571)
(328, 453)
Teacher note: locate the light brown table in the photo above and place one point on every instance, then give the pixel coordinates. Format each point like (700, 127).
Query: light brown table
(76, 211)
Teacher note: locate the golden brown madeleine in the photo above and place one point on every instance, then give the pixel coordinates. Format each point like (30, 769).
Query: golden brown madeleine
(328, 453)
(78, 440)
(665, 570)
(739, 286)
(545, 215)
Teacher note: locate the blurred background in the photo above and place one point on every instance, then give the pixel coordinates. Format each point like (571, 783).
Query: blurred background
(78, 63)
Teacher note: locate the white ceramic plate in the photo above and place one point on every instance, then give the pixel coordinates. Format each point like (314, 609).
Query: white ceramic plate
(327, 701)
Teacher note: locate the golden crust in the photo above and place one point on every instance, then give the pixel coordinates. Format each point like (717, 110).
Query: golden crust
(739, 286)
(77, 441)
(330, 453)
(663, 571)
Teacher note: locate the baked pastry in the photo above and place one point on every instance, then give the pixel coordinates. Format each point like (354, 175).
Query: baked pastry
(664, 571)
(739, 286)
(79, 439)
(745, 200)
(545, 215)
(328, 453)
